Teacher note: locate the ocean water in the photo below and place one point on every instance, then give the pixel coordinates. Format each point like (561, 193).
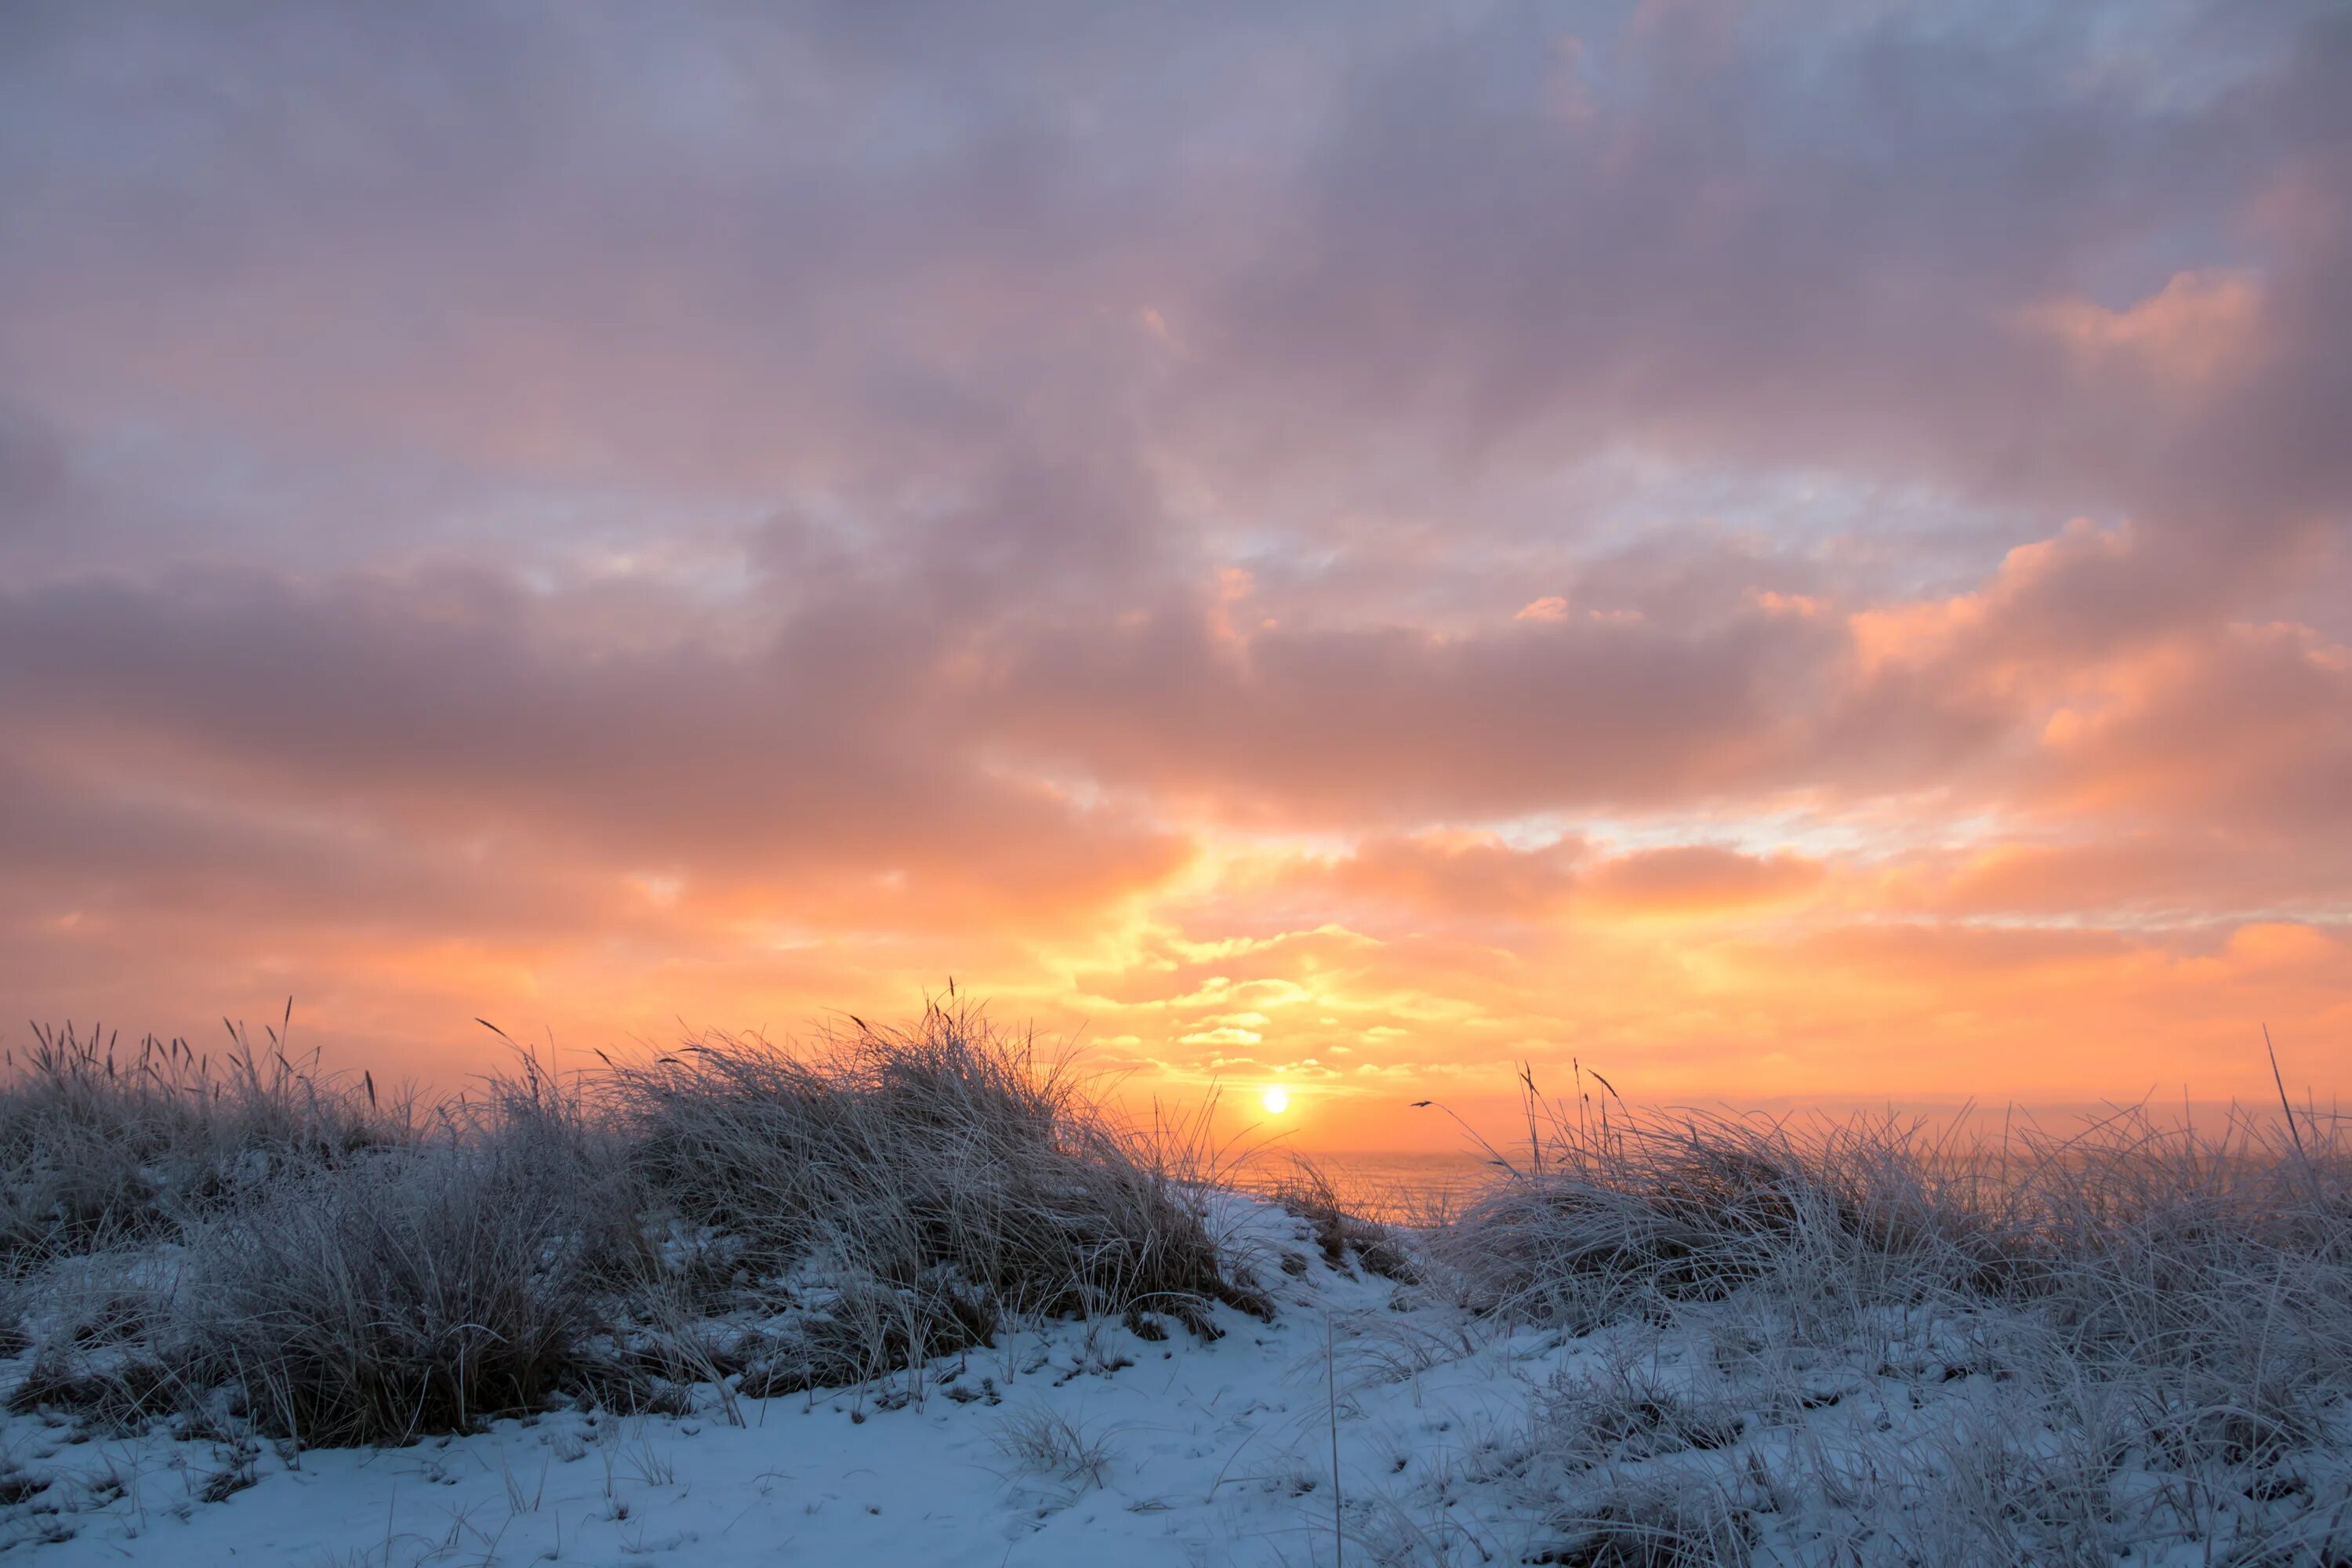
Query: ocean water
(1403, 1188)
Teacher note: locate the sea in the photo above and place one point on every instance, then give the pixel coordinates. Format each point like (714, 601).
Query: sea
(1402, 1188)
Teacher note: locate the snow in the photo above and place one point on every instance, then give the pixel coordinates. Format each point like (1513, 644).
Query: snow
(1455, 1440)
(1214, 1452)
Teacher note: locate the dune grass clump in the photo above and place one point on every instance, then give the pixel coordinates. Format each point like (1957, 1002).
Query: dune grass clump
(378, 1301)
(362, 1292)
(1054, 1444)
(941, 1165)
(340, 1272)
(1649, 1525)
(103, 1146)
(419, 1287)
(1306, 1192)
(728, 1214)
(2145, 1329)
(2133, 1241)
(1593, 1220)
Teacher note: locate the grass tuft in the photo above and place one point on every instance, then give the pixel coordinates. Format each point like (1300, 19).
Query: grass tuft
(103, 1146)
(2134, 1340)
(345, 1270)
(943, 1170)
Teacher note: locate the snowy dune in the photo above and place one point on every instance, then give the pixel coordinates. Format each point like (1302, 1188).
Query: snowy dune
(913, 1298)
(1726, 1433)
(1185, 1451)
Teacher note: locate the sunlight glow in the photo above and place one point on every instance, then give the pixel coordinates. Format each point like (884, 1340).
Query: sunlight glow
(1275, 1101)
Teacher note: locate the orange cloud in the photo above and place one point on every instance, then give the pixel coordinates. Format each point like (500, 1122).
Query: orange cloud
(1440, 876)
(1669, 557)
(1700, 879)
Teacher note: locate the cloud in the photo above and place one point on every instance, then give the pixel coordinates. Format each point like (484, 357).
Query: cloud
(2199, 327)
(817, 763)
(1706, 535)
(1367, 723)
(1697, 878)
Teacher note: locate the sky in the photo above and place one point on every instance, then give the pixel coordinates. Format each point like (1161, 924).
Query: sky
(1791, 554)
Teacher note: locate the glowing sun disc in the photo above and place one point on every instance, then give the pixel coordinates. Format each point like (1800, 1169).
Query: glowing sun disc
(1275, 1101)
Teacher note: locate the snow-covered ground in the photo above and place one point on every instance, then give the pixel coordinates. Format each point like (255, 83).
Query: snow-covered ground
(1179, 1451)
(1370, 1421)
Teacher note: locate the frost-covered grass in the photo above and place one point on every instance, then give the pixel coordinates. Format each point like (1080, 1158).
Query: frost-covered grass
(945, 1158)
(2130, 1342)
(917, 1295)
(261, 1245)
(101, 1145)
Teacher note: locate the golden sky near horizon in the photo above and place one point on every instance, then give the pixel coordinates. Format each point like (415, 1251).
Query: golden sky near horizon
(1793, 555)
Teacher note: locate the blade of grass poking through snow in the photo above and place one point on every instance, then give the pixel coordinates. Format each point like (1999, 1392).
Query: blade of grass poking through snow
(2279, 1079)
(1331, 1406)
(1530, 1098)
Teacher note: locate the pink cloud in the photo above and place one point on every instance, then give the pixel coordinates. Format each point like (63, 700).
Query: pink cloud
(585, 518)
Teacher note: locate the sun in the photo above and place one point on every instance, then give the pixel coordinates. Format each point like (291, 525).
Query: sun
(1275, 1101)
